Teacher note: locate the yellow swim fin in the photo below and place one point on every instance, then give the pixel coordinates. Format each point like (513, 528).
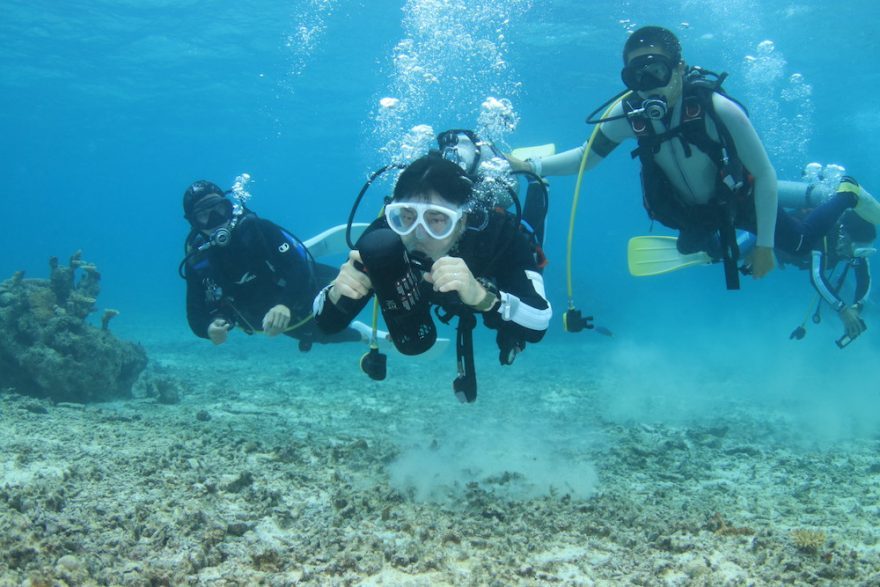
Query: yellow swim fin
(655, 255)
(538, 151)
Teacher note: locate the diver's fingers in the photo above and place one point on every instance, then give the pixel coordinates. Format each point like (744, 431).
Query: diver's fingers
(351, 289)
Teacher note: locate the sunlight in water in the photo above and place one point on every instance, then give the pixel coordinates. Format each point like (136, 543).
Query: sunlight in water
(450, 69)
(780, 106)
(310, 25)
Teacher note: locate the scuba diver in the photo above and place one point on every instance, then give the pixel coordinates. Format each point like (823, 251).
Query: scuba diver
(435, 245)
(493, 177)
(839, 254)
(245, 271)
(844, 252)
(705, 172)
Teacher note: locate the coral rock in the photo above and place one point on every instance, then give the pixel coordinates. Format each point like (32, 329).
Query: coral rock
(49, 350)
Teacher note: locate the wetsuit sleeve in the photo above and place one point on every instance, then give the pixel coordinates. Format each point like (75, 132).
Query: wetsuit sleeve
(522, 309)
(751, 152)
(610, 135)
(565, 163)
(332, 318)
(820, 282)
(863, 281)
(198, 314)
(196, 310)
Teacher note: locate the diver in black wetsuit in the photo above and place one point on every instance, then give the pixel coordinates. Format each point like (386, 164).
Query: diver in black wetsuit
(247, 272)
(435, 247)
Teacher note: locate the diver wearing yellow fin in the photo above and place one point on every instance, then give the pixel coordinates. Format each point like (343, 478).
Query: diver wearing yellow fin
(655, 255)
(842, 253)
(705, 171)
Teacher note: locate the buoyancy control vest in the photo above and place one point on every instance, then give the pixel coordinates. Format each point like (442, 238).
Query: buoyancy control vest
(200, 264)
(733, 186)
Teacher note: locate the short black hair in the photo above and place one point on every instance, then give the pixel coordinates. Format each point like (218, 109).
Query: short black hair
(653, 36)
(434, 173)
(198, 190)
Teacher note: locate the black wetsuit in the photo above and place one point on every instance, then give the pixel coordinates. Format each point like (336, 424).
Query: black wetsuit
(499, 253)
(261, 267)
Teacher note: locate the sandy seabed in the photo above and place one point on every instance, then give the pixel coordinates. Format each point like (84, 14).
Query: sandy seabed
(283, 468)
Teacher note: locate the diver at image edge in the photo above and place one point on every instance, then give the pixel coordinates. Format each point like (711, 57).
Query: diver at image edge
(434, 247)
(245, 271)
(844, 252)
(841, 253)
(705, 172)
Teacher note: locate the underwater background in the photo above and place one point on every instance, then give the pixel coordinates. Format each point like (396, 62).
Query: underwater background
(110, 109)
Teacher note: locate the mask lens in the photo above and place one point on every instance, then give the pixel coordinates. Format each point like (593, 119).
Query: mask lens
(647, 72)
(438, 222)
(447, 139)
(402, 219)
(212, 214)
(451, 154)
(459, 147)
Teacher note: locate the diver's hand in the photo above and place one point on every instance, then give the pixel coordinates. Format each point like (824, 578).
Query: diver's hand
(452, 274)
(351, 281)
(851, 323)
(517, 164)
(763, 261)
(276, 320)
(218, 330)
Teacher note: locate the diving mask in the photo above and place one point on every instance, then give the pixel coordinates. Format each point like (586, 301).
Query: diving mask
(211, 212)
(438, 221)
(460, 147)
(647, 72)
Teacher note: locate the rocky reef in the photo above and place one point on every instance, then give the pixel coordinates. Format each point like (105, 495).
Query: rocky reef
(49, 349)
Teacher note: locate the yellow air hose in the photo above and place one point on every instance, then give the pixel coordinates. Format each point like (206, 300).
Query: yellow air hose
(576, 197)
(300, 323)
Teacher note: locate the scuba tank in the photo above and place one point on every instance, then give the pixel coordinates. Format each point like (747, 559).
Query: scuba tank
(405, 306)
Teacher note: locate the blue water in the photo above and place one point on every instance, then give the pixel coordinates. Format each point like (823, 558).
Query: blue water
(110, 109)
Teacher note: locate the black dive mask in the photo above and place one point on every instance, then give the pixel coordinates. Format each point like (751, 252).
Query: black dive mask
(210, 213)
(647, 72)
(464, 153)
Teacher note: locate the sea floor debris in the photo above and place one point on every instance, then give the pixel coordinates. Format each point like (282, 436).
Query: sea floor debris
(279, 476)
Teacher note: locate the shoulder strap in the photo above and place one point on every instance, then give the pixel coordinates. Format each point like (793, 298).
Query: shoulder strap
(699, 87)
(488, 244)
(696, 107)
(649, 140)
